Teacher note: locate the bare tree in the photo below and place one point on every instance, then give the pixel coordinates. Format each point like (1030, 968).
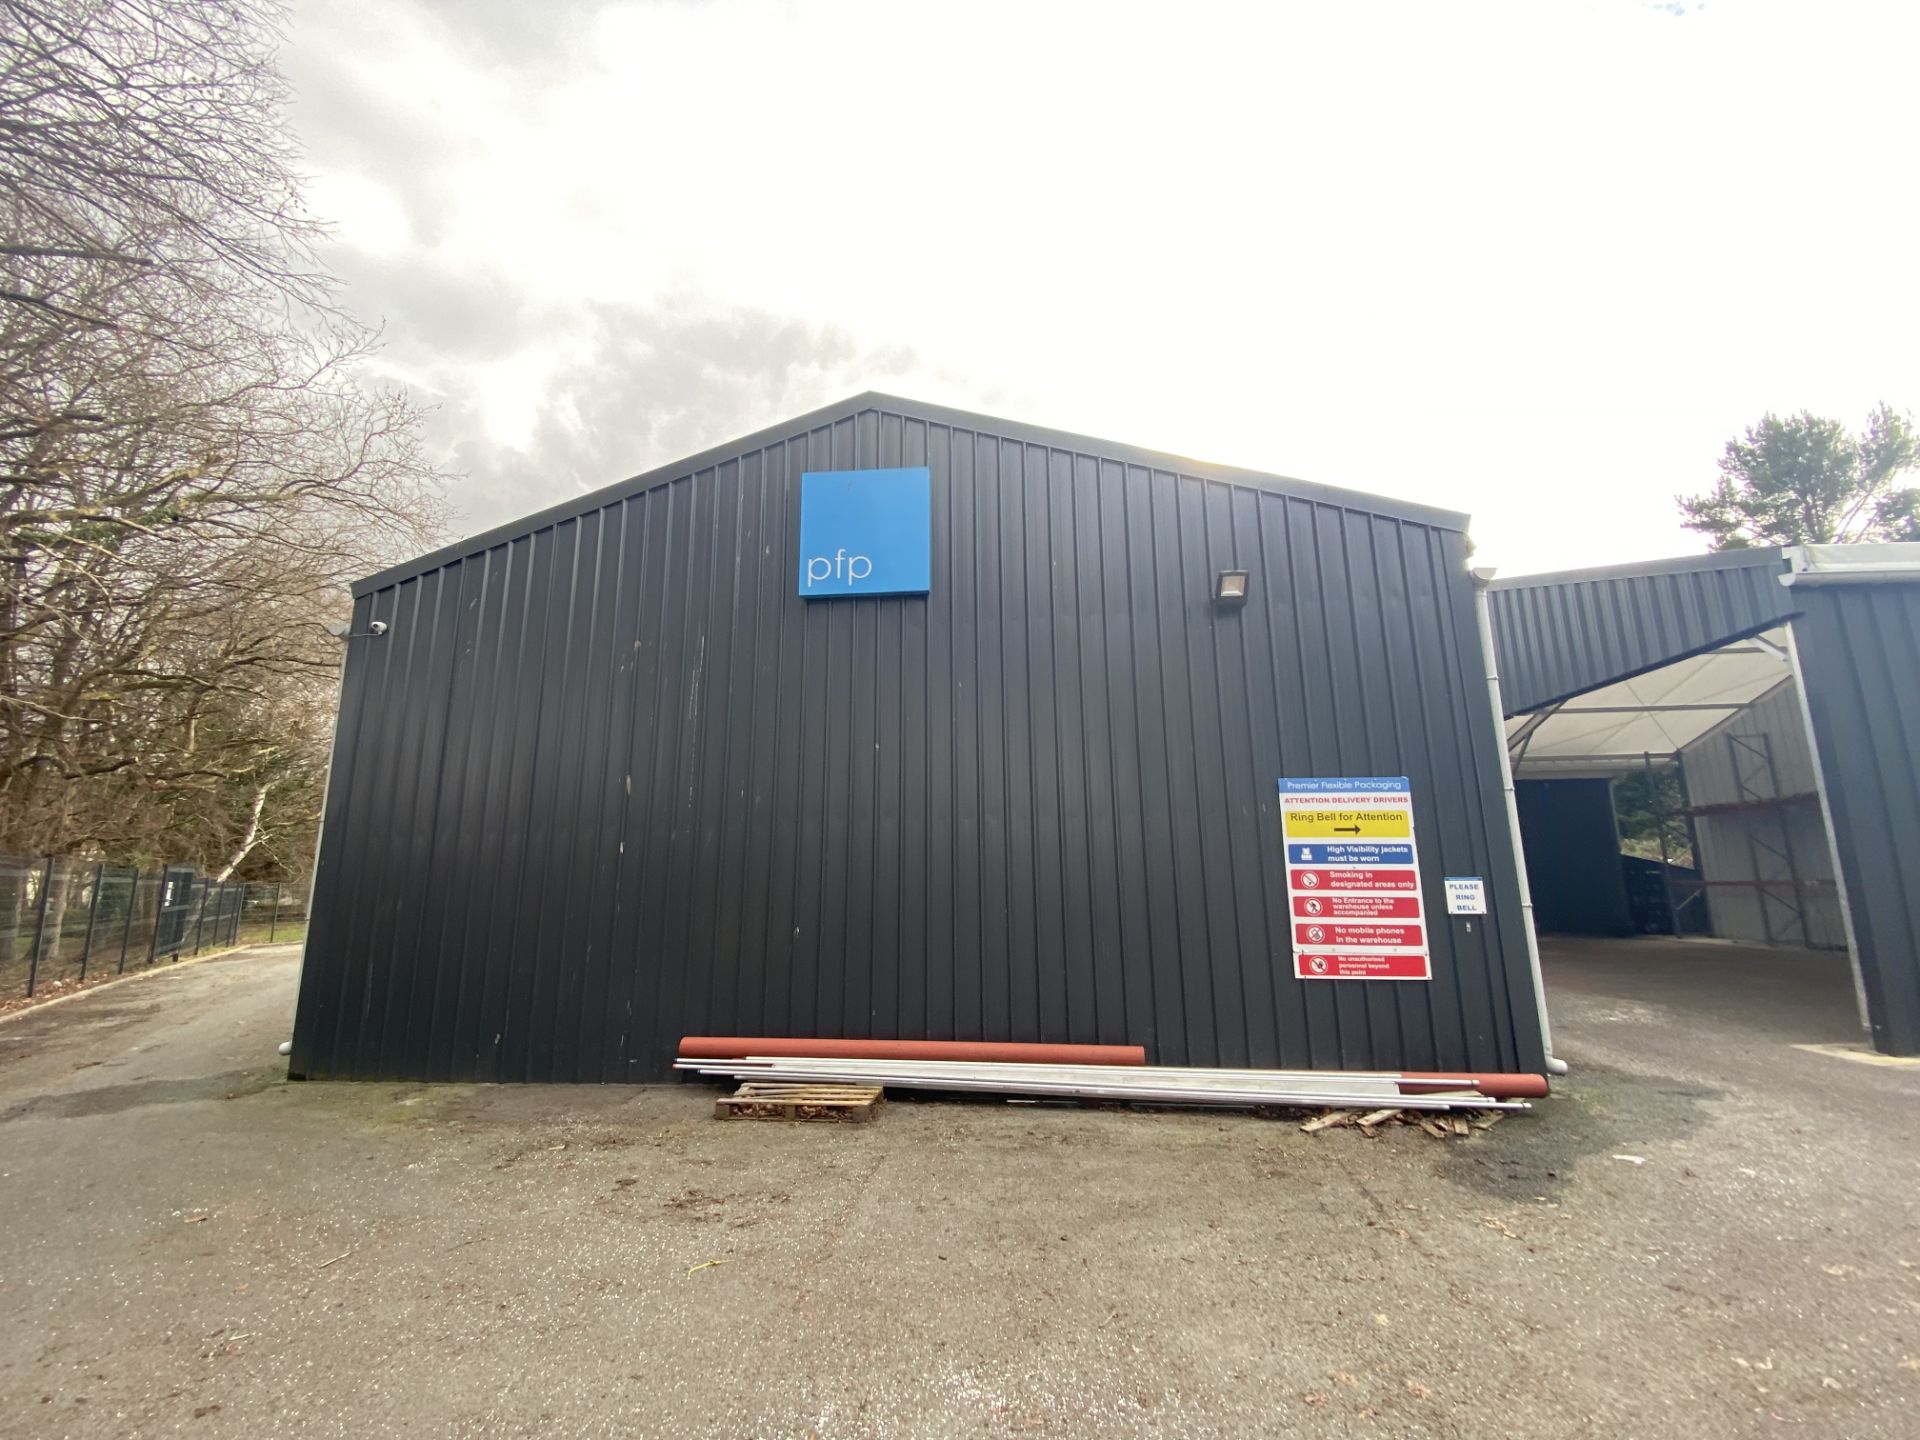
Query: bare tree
(193, 456)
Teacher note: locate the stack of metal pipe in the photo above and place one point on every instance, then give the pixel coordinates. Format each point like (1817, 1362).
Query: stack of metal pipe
(1140, 1083)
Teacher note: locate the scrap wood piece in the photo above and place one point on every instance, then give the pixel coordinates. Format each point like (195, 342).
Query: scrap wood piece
(1327, 1121)
(780, 1100)
(1370, 1121)
(1487, 1119)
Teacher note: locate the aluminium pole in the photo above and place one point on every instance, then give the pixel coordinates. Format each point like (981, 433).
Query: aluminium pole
(1660, 825)
(1695, 893)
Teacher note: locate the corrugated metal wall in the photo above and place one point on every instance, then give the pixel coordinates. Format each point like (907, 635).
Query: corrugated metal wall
(1572, 842)
(1559, 635)
(610, 781)
(1748, 845)
(1859, 653)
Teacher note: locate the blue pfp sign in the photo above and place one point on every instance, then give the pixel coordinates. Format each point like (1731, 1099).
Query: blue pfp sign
(865, 532)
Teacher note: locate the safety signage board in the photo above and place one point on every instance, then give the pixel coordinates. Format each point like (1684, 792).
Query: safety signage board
(1466, 895)
(1365, 881)
(1329, 822)
(1315, 933)
(1340, 905)
(1362, 965)
(1350, 853)
(1353, 879)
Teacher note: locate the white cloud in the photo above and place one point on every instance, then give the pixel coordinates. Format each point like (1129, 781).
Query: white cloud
(366, 214)
(1534, 261)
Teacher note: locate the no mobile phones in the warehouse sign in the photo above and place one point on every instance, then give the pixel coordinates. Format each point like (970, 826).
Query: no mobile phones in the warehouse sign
(1353, 879)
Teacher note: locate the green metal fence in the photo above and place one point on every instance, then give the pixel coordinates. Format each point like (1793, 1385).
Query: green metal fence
(65, 921)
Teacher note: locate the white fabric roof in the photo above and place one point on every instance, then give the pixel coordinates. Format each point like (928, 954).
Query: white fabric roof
(1612, 729)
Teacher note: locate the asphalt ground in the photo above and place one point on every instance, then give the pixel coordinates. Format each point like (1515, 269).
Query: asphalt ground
(1706, 1232)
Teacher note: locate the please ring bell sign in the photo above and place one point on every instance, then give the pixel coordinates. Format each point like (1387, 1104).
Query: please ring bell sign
(1353, 879)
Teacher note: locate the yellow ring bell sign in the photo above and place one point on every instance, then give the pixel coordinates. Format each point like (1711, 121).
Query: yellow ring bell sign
(1363, 823)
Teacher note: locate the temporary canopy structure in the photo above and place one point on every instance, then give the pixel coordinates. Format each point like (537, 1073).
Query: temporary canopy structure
(1659, 713)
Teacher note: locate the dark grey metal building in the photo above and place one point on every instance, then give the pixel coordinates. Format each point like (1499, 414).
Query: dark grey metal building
(603, 778)
(1843, 626)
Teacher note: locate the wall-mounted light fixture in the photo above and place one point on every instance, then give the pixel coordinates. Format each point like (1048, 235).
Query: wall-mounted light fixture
(342, 630)
(1230, 588)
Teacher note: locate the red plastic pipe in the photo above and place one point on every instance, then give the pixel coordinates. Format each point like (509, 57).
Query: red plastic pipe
(738, 1047)
(1493, 1086)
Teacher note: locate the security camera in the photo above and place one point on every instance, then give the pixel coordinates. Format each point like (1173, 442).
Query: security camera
(376, 627)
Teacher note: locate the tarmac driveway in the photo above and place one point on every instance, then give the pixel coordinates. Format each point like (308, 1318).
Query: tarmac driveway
(191, 1245)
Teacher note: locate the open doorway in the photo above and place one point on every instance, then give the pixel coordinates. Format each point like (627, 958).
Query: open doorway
(1720, 667)
(1696, 783)
(1679, 807)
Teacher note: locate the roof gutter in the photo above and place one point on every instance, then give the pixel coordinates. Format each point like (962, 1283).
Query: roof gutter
(1814, 565)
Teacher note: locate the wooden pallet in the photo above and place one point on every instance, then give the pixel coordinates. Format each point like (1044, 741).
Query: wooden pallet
(774, 1100)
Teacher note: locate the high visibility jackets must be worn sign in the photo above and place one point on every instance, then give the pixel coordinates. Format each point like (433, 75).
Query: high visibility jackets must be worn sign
(1353, 880)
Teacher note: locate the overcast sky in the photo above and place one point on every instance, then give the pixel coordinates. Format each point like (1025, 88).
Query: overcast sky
(1537, 261)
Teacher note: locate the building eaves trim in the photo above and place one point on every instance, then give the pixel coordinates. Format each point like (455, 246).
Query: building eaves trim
(874, 400)
(1896, 563)
(1756, 559)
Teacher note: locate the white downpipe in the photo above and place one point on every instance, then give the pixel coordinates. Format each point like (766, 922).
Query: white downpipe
(1483, 614)
(326, 793)
(326, 787)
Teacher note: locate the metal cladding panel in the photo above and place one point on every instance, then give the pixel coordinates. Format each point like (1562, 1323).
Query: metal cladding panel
(610, 781)
(1560, 635)
(1573, 857)
(1859, 653)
